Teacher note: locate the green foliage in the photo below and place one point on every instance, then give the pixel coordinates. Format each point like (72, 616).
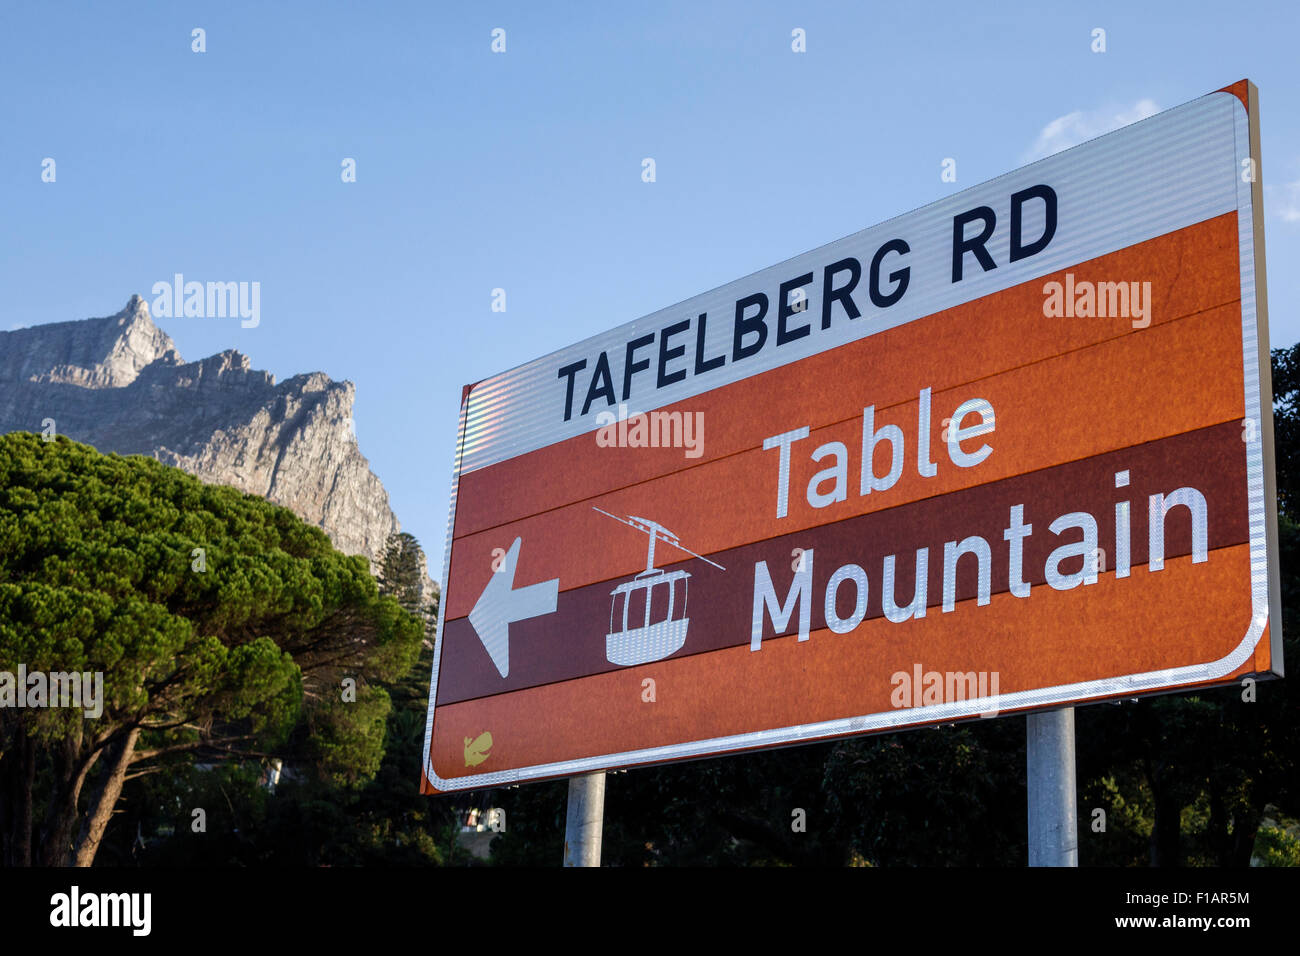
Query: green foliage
(306, 820)
(952, 796)
(1286, 428)
(221, 623)
(1278, 846)
(348, 737)
(363, 808)
(400, 574)
(535, 816)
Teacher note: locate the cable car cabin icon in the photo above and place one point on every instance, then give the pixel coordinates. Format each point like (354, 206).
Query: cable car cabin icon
(647, 615)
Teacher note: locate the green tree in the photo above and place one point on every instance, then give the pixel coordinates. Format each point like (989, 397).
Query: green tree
(341, 819)
(223, 626)
(401, 572)
(1286, 429)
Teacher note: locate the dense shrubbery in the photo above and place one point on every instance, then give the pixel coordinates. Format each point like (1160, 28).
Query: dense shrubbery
(223, 626)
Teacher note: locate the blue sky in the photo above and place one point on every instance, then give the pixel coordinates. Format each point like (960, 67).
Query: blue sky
(522, 170)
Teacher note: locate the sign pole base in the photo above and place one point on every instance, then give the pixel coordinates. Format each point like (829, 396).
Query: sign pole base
(585, 821)
(1053, 800)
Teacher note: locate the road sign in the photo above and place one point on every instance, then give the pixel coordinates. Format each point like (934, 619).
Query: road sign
(1012, 450)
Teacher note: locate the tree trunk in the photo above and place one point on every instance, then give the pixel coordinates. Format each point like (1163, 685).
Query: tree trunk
(26, 779)
(70, 770)
(1217, 831)
(6, 826)
(1243, 838)
(17, 777)
(1165, 828)
(105, 798)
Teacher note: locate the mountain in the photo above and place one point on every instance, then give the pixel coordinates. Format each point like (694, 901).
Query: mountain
(119, 384)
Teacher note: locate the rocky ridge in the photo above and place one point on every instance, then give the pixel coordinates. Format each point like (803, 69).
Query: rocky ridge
(118, 383)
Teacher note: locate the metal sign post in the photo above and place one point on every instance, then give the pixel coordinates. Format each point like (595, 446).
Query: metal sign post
(585, 822)
(1053, 804)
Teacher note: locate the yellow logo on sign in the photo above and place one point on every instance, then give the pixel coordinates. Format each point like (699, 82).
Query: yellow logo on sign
(477, 749)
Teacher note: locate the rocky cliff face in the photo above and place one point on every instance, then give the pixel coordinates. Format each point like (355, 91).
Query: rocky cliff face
(119, 384)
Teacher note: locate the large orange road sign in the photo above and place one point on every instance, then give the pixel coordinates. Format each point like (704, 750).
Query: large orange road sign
(1009, 451)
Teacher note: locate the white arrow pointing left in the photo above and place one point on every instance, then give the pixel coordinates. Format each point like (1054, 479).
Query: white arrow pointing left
(501, 604)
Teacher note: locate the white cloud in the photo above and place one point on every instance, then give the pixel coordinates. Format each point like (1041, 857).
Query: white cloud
(1284, 200)
(1080, 126)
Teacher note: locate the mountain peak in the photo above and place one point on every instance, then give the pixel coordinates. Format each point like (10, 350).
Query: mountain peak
(107, 352)
(118, 383)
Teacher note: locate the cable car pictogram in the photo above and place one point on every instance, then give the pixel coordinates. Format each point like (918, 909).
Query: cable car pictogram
(661, 630)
